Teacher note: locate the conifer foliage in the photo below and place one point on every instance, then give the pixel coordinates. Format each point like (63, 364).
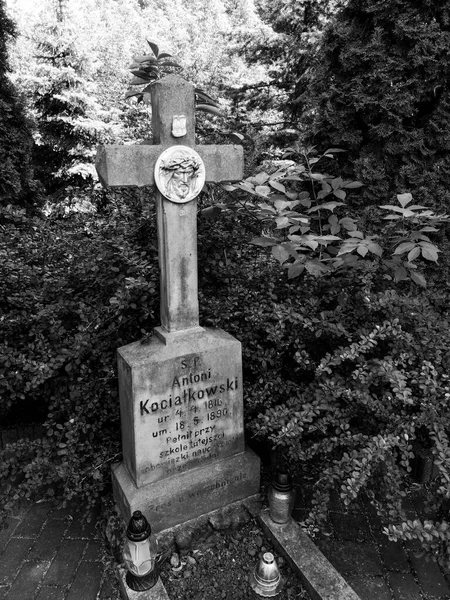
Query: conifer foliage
(15, 139)
(378, 86)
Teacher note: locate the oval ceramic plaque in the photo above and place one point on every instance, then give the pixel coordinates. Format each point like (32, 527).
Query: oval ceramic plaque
(179, 174)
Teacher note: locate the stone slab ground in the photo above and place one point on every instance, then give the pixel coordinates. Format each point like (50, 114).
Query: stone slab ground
(46, 554)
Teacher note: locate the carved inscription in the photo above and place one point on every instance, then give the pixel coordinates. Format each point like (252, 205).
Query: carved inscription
(194, 422)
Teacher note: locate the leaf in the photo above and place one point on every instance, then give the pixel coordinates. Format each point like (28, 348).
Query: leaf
(315, 267)
(400, 274)
(228, 187)
(169, 63)
(282, 222)
(413, 254)
(164, 55)
(334, 150)
(154, 48)
(340, 194)
(262, 190)
(404, 247)
(326, 205)
(211, 211)
(139, 81)
(295, 269)
(362, 250)
(418, 278)
(132, 93)
(264, 241)
(404, 199)
(430, 254)
(236, 138)
(353, 185)
(348, 223)
(375, 248)
(277, 186)
(260, 178)
(280, 253)
(336, 183)
(209, 109)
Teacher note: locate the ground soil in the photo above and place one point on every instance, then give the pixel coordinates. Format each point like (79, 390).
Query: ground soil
(220, 568)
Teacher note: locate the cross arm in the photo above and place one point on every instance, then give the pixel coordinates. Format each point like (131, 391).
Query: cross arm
(222, 163)
(133, 166)
(127, 166)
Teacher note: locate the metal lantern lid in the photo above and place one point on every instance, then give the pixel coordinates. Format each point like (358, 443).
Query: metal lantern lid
(138, 528)
(282, 482)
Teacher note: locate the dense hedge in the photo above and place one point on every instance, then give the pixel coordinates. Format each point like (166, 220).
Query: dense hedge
(346, 374)
(377, 86)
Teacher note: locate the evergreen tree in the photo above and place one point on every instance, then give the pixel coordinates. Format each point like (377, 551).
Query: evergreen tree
(16, 184)
(378, 87)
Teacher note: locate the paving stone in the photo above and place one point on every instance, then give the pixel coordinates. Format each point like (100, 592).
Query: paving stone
(7, 533)
(374, 588)
(34, 520)
(87, 582)
(80, 529)
(94, 552)
(351, 557)
(64, 512)
(404, 586)
(26, 582)
(430, 577)
(51, 593)
(394, 556)
(65, 563)
(48, 541)
(13, 556)
(353, 527)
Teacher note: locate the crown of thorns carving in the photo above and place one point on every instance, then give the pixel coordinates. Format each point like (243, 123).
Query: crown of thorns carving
(182, 163)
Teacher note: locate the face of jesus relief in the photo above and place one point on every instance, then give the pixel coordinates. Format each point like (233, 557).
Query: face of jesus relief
(180, 182)
(179, 174)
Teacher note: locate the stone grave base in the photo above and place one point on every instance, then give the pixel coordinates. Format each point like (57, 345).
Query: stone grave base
(188, 495)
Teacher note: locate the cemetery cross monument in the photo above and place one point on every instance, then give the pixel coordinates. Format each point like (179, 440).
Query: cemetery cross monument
(181, 398)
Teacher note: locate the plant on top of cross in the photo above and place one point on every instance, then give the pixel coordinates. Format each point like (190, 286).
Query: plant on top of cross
(148, 68)
(304, 227)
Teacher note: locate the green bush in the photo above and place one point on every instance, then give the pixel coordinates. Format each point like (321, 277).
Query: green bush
(76, 288)
(376, 87)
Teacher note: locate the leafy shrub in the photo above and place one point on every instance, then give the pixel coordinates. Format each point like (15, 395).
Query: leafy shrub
(76, 288)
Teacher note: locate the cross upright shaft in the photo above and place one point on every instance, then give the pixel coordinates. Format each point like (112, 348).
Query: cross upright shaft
(177, 223)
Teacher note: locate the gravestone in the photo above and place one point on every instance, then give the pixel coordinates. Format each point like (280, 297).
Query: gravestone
(181, 393)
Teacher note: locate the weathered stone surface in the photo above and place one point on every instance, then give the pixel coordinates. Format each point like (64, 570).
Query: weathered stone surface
(319, 577)
(374, 588)
(189, 494)
(133, 166)
(181, 403)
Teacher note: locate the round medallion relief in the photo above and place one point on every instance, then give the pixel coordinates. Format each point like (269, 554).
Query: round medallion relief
(179, 174)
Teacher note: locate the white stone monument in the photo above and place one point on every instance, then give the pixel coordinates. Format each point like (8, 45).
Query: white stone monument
(181, 398)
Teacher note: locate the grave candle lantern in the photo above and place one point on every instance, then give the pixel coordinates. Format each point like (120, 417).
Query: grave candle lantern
(140, 554)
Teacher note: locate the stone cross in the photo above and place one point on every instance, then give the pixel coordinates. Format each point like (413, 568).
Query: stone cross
(173, 123)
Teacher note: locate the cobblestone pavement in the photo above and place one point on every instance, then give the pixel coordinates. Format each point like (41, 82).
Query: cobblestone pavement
(47, 554)
(376, 568)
